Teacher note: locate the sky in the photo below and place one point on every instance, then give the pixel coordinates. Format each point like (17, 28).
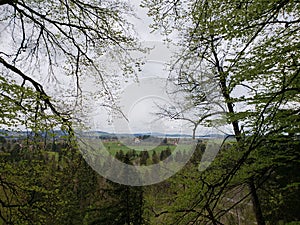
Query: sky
(139, 101)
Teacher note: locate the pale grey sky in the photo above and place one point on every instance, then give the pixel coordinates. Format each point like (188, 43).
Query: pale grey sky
(140, 106)
(138, 101)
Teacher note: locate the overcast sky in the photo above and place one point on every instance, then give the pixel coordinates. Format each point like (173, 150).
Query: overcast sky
(139, 101)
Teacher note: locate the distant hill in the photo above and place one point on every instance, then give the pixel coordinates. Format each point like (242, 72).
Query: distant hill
(103, 134)
(23, 134)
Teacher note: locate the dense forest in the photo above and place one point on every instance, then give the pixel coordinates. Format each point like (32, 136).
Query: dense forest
(50, 183)
(237, 65)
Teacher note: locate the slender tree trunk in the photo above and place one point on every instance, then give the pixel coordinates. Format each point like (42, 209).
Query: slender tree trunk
(127, 206)
(237, 132)
(141, 205)
(194, 132)
(256, 204)
(212, 217)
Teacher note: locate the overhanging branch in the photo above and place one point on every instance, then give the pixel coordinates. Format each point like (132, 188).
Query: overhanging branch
(37, 86)
(4, 2)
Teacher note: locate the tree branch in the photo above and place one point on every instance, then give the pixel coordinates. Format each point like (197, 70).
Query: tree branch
(38, 87)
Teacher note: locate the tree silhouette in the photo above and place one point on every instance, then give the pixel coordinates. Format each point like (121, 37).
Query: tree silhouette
(42, 41)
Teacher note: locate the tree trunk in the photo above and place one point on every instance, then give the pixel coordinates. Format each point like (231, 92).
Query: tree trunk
(238, 137)
(127, 206)
(256, 204)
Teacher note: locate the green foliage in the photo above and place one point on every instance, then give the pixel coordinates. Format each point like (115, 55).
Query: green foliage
(144, 156)
(49, 40)
(56, 43)
(245, 55)
(41, 187)
(126, 203)
(155, 158)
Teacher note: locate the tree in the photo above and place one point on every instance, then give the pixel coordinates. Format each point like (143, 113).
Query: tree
(30, 191)
(155, 158)
(48, 41)
(144, 156)
(47, 49)
(251, 51)
(127, 202)
(278, 194)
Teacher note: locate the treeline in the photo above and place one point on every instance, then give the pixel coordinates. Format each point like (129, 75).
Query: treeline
(150, 157)
(52, 184)
(42, 186)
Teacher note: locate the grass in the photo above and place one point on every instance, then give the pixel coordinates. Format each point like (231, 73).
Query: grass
(113, 147)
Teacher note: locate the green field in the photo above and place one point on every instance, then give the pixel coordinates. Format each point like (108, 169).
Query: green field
(113, 147)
